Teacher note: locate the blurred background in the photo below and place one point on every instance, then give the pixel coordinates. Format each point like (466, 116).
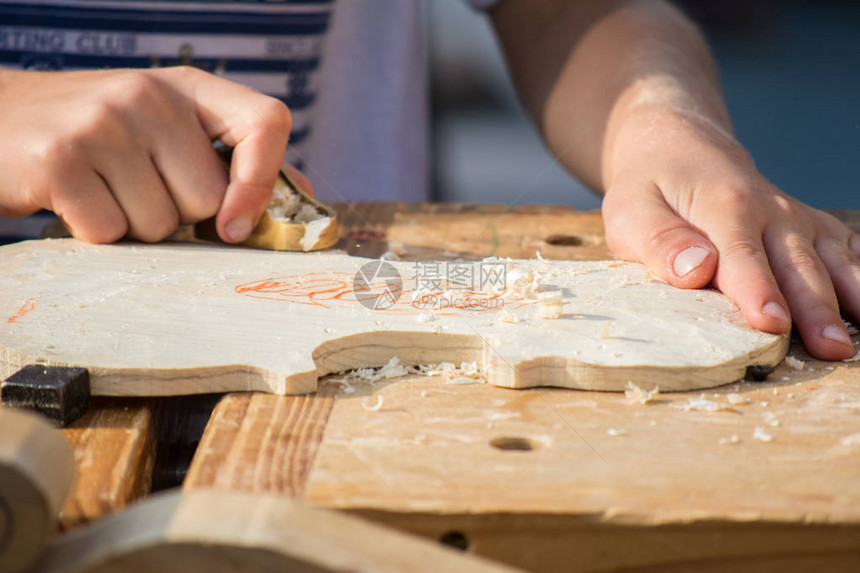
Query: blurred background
(790, 71)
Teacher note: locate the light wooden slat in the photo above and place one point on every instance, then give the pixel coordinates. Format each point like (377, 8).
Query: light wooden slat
(261, 442)
(114, 452)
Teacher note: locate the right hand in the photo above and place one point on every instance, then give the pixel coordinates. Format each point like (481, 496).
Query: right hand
(119, 153)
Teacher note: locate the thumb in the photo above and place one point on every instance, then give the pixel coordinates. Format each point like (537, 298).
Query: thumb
(642, 227)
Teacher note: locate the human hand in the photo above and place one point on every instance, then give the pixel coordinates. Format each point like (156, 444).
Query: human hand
(685, 199)
(129, 152)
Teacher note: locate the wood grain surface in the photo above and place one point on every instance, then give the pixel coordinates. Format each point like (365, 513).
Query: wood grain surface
(114, 452)
(261, 442)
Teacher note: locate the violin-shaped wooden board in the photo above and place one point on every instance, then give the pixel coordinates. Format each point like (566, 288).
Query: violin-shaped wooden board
(192, 318)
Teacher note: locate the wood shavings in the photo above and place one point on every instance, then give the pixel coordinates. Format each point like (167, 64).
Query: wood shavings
(736, 399)
(850, 327)
(616, 432)
(637, 395)
(549, 312)
(770, 419)
(287, 206)
(313, 232)
(426, 317)
(703, 405)
(523, 284)
(852, 440)
(373, 407)
(461, 380)
(393, 369)
(550, 304)
(731, 440)
(761, 435)
(793, 362)
(854, 358)
(553, 296)
(452, 374)
(508, 317)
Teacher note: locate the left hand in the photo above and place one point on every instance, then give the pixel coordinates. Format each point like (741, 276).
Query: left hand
(684, 198)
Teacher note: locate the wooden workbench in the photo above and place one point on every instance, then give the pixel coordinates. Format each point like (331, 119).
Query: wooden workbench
(548, 480)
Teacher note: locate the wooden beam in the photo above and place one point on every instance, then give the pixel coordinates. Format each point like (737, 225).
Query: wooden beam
(114, 452)
(261, 442)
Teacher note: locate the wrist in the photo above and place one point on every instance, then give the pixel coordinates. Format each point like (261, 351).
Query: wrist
(657, 116)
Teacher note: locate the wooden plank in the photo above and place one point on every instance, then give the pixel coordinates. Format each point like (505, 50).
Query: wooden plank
(261, 442)
(556, 231)
(229, 532)
(181, 319)
(114, 452)
(36, 469)
(658, 490)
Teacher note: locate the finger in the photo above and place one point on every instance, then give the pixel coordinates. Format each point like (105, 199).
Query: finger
(257, 127)
(641, 226)
(250, 187)
(191, 170)
(804, 280)
(744, 275)
(86, 205)
(299, 179)
(140, 191)
(844, 269)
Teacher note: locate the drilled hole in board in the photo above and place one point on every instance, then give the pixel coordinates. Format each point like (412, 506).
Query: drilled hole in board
(565, 240)
(455, 539)
(514, 444)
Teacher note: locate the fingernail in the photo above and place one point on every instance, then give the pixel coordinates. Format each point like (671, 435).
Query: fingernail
(238, 229)
(776, 311)
(836, 334)
(688, 259)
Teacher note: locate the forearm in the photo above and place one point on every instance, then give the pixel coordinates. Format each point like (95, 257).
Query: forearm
(585, 69)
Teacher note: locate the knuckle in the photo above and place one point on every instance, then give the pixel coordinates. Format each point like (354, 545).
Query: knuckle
(662, 238)
(109, 230)
(158, 229)
(276, 114)
(736, 199)
(135, 89)
(742, 249)
(803, 259)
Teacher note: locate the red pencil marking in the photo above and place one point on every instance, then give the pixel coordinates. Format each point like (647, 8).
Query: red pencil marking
(27, 307)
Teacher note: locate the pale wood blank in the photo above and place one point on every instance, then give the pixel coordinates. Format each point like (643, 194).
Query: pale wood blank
(184, 318)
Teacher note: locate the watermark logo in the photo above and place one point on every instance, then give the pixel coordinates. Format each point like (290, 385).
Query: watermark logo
(465, 285)
(377, 285)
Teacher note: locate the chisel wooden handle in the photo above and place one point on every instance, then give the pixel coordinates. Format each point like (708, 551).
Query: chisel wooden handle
(36, 471)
